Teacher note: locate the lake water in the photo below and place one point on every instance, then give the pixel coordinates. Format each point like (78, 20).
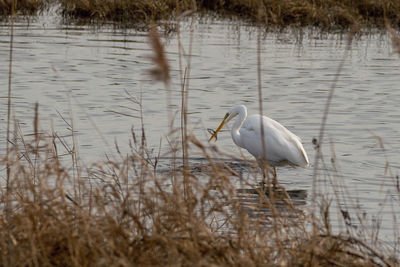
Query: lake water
(87, 73)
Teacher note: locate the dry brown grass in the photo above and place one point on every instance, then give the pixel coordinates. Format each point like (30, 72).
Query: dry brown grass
(326, 14)
(125, 11)
(102, 218)
(22, 7)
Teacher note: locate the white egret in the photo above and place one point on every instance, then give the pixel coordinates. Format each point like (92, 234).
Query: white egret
(282, 147)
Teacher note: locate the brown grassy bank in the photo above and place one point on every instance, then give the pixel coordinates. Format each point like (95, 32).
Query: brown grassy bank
(22, 7)
(325, 14)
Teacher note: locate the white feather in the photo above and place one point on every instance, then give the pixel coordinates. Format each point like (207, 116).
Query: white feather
(281, 145)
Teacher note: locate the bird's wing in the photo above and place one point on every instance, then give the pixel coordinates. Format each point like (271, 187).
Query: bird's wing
(281, 144)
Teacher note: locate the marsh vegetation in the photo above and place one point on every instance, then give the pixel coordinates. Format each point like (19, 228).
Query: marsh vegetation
(123, 212)
(331, 14)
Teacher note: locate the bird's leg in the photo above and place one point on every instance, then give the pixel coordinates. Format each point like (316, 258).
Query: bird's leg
(274, 179)
(264, 174)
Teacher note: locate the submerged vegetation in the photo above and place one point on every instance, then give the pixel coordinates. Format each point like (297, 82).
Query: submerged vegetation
(326, 14)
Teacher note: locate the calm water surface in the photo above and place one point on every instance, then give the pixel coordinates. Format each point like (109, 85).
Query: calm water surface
(87, 74)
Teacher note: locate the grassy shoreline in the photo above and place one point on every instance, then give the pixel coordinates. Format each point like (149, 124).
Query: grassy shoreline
(329, 14)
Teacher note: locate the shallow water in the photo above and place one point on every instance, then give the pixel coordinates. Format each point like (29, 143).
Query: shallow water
(86, 74)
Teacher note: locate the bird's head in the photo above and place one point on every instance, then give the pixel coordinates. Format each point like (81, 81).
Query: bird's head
(228, 116)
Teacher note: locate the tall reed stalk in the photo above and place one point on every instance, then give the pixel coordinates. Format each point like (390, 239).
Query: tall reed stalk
(7, 206)
(9, 89)
(319, 141)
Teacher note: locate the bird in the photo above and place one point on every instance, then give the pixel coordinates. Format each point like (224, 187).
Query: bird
(281, 146)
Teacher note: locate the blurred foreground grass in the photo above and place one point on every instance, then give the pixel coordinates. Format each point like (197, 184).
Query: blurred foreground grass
(123, 212)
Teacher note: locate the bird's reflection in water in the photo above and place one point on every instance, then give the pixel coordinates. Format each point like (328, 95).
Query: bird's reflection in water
(258, 202)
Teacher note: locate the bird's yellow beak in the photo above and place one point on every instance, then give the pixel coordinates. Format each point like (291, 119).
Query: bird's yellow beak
(219, 128)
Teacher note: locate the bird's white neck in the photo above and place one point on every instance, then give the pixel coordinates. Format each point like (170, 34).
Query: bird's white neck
(241, 111)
